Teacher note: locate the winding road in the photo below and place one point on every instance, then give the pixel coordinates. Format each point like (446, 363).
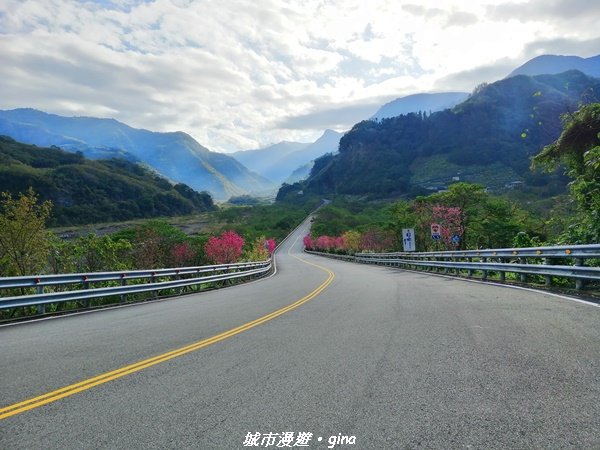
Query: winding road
(324, 354)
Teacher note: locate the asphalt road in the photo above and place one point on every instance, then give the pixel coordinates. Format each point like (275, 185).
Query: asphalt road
(372, 358)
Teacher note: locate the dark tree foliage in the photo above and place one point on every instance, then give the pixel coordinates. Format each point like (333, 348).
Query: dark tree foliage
(503, 123)
(578, 148)
(86, 191)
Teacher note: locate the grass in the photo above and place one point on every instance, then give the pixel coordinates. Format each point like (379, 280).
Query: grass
(437, 171)
(200, 223)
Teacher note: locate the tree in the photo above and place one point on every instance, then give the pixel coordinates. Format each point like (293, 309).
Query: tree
(377, 241)
(469, 198)
(403, 216)
(93, 253)
(224, 249)
(352, 240)
(271, 245)
(153, 244)
(182, 254)
(467, 210)
(580, 135)
(578, 148)
(325, 243)
(451, 221)
(309, 243)
(24, 241)
(258, 251)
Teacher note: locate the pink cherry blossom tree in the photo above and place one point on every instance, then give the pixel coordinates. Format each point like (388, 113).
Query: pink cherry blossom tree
(224, 249)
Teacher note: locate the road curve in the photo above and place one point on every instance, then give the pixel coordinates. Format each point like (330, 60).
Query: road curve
(361, 357)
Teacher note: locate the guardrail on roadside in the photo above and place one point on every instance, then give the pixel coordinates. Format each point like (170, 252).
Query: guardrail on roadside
(565, 262)
(80, 286)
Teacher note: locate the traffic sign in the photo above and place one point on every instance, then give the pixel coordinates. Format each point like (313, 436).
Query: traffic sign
(408, 239)
(436, 230)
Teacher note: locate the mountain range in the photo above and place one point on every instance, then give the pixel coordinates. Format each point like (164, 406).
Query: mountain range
(489, 138)
(555, 64)
(540, 65)
(427, 102)
(278, 162)
(176, 155)
(88, 191)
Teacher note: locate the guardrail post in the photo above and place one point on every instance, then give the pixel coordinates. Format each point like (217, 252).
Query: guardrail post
(41, 309)
(153, 280)
(578, 281)
(484, 273)
(547, 278)
(86, 285)
(178, 277)
(523, 276)
(470, 271)
(123, 283)
(502, 274)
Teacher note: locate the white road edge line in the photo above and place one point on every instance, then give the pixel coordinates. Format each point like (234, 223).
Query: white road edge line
(490, 283)
(510, 286)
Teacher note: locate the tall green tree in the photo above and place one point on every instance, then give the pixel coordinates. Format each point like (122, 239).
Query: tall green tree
(93, 253)
(153, 243)
(24, 241)
(578, 148)
(469, 198)
(486, 221)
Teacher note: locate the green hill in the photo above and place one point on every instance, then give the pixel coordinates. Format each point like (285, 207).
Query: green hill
(489, 138)
(175, 155)
(90, 191)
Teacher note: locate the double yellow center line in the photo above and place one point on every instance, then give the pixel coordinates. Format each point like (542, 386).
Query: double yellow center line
(72, 389)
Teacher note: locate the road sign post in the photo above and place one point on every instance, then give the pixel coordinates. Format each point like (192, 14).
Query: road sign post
(436, 231)
(408, 239)
(456, 240)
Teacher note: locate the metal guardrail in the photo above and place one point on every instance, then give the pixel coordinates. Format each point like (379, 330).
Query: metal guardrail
(540, 261)
(184, 276)
(558, 251)
(211, 274)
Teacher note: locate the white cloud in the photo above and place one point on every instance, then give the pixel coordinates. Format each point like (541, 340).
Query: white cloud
(241, 73)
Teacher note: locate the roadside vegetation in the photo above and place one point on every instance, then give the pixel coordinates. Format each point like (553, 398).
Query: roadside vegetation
(28, 248)
(469, 217)
(232, 234)
(84, 191)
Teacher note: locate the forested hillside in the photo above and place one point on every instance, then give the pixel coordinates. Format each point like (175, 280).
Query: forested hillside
(175, 155)
(86, 191)
(488, 139)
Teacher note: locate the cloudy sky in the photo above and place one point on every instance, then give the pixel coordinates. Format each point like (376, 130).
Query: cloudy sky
(241, 74)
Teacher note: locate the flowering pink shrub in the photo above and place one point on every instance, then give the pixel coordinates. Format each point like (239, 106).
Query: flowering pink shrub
(224, 249)
(339, 243)
(451, 220)
(308, 243)
(182, 254)
(353, 241)
(376, 241)
(325, 243)
(271, 245)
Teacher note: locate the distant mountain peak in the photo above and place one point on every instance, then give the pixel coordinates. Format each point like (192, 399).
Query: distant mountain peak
(175, 155)
(277, 162)
(488, 139)
(426, 102)
(555, 64)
